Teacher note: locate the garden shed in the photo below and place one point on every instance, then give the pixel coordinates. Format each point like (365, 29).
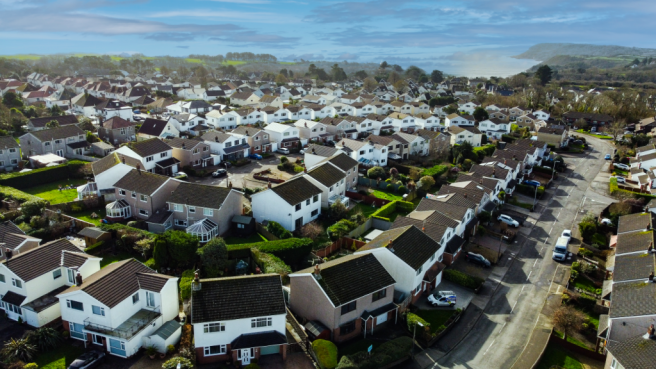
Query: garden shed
(168, 334)
(93, 235)
(243, 225)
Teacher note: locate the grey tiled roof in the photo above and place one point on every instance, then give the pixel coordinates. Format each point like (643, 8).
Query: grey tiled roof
(296, 190)
(62, 120)
(222, 299)
(141, 182)
(149, 147)
(410, 244)
(58, 133)
(326, 174)
(199, 195)
(8, 142)
(634, 222)
(633, 266)
(633, 242)
(321, 150)
(343, 162)
(632, 299)
(351, 277)
(433, 230)
(38, 261)
(634, 353)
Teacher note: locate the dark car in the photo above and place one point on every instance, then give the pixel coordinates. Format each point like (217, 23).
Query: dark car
(89, 359)
(219, 173)
(530, 182)
(477, 259)
(330, 143)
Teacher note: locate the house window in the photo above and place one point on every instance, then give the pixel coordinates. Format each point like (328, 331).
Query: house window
(208, 212)
(121, 192)
(298, 206)
(349, 307)
(378, 295)
(56, 274)
(150, 299)
(347, 328)
(261, 322)
(314, 212)
(196, 151)
(181, 223)
(214, 350)
(134, 195)
(419, 271)
(46, 144)
(143, 212)
(192, 209)
(135, 298)
(143, 198)
(315, 198)
(75, 305)
(361, 152)
(149, 159)
(163, 154)
(16, 283)
(418, 289)
(177, 208)
(98, 310)
(206, 148)
(97, 339)
(265, 137)
(2, 278)
(71, 275)
(307, 202)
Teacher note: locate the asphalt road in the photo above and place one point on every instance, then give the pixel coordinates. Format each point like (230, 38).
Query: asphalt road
(500, 335)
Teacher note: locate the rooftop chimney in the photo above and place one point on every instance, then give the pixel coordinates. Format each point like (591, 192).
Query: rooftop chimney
(651, 331)
(183, 146)
(464, 195)
(123, 159)
(216, 138)
(78, 279)
(269, 185)
(390, 246)
(9, 253)
(139, 168)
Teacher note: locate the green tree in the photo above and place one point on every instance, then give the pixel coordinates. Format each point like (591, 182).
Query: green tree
(52, 124)
(394, 77)
(481, 114)
(361, 74)
(182, 248)
(414, 72)
(11, 100)
(450, 109)
(281, 79)
(370, 84)
(338, 210)
(376, 172)
(426, 182)
(56, 111)
(284, 72)
(544, 74)
(338, 73)
(161, 252)
(437, 76)
(400, 86)
(214, 256)
(384, 65)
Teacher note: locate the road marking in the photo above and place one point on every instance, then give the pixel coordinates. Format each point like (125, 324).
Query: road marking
(545, 240)
(513, 308)
(529, 275)
(536, 261)
(488, 349)
(428, 356)
(550, 230)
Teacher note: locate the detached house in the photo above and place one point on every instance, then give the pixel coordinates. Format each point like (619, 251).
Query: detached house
(119, 307)
(109, 170)
(31, 280)
(494, 128)
(157, 128)
(238, 319)
(457, 120)
(15, 240)
(193, 152)
(292, 204)
(117, 130)
(67, 141)
(553, 136)
(331, 181)
(38, 124)
(227, 146)
(367, 153)
(140, 194)
(221, 119)
(351, 296)
(285, 135)
(10, 153)
(311, 130)
(461, 134)
(244, 98)
(155, 155)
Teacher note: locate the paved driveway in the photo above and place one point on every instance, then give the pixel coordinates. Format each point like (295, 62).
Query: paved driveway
(11, 329)
(463, 297)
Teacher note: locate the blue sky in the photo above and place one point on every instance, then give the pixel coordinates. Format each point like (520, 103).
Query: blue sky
(441, 34)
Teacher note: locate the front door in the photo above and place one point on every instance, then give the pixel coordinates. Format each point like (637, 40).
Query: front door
(245, 356)
(299, 223)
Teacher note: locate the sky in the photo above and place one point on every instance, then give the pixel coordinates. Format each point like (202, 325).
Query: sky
(468, 36)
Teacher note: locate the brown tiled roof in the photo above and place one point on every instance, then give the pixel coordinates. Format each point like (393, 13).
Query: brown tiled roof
(633, 242)
(152, 127)
(58, 133)
(474, 194)
(62, 120)
(110, 161)
(117, 122)
(118, 281)
(296, 190)
(245, 130)
(410, 244)
(199, 195)
(492, 171)
(8, 142)
(326, 174)
(38, 261)
(149, 147)
(216, 136)
(351, 277)
(141, 182)
(634, 222)
(12, 236)
(433, 230)
(188, 143)
(222, 299)
(74, 259)
(381, 140)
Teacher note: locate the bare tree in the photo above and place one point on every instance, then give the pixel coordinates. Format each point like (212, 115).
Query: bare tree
(617, 128)
(312, 230)
(567, 320)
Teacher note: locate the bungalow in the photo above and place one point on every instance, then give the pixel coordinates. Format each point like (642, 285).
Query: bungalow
(292, 204)
(140, 194)
(30, 281)
(157, 128)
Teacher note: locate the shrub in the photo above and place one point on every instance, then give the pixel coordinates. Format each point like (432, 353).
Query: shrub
(34, 207)
(390, 187)
(96, 247)
(185, 284)
(600, 240)
(401, 189)
(19, 349)
(390, 208)
(463, 279)
(376, 172)
(585, 252)
(45, 338)
(277, 230)
(587, 230)
(270, 263)
(435, 171)
(326, 353)
(31, 366)
(413, 319)
(181, 361)
(298, 169)
(341, 228)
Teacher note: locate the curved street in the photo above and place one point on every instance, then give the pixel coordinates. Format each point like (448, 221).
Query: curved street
(515, 292)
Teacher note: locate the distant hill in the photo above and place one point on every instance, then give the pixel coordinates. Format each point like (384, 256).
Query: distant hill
(546, 51)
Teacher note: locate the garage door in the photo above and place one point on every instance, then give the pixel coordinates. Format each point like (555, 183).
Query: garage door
(269, 350)
(382, 318)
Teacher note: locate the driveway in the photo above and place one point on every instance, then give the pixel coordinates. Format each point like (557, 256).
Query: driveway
(463, 297)
(11, 329)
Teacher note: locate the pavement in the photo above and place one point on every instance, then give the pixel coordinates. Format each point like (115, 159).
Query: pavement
(507, 322)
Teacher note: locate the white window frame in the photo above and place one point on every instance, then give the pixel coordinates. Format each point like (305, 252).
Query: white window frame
(208, 212)
(215, 327)
(261, 322)
(17, 283)
(207, 350)
(100, 309)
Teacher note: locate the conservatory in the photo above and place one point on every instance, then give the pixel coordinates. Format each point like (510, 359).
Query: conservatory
(119, 209)
(204, 229)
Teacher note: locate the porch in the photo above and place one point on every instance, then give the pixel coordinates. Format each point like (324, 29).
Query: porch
(129, 328)
(205, 229)
(118, 210)
(343, 199)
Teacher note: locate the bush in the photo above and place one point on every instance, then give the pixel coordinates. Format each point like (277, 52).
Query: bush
(463, 279)
(326, 353)
(390, 208)
(150, 263)
(18, 195)
(270, 263)
(33, 208)
(587, 230)
(341, 228)
(585, 252)
(390, 187)
(291, 250)
(376, 172)
(186, 339)
(185, 284)
(174, 362)
(413, 319)
(277, 230)
(435, 171)
(45, 338)
(298, 169)
(31, 366)
(42, 175)
(96, 247)
(401, 189)
(600, 240)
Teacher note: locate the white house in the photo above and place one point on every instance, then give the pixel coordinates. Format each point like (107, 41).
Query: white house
(543, 115)
(118, 307)
(286, 135)
(30, 281)
(185, 122)
(494, 128)
(238, 318)
(367, 153)
(331, 180)
(310, 129)
(155, 155)
(193, 107)
(293, 203)
(457, 120)
(468, 107)
(108, 170)
(461, 134)
(221, 119)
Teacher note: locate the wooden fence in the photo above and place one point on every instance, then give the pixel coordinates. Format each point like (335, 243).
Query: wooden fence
(79, 224)
(263, 231)
(575, 348)
(342, 243)
(262, 176)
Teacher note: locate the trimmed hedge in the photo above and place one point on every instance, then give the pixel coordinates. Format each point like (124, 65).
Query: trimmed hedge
(615, 190)
(291, 250)
(277, 230)
(529, 190)
(341, 225)
(387, 353)
(185, 283)
(413, 319)
(326, 353)
(270, 263)
(18, 195)
(122, 227)
(42, 175)
(435, 171)
(463, 279)
(390, 208)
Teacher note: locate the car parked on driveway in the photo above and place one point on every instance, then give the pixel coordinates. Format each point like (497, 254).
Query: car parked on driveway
(442, 298)
(619, 179)
(283, 150)
(621, 166)
(219, 173)
(255, 156)
(530, 182)
(89, 359)
(508, 220)
(477, 259)
(607, 157)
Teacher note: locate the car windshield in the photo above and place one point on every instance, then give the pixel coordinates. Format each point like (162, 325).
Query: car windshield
(561, 250)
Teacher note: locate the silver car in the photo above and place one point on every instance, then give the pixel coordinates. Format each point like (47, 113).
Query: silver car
(508, 220)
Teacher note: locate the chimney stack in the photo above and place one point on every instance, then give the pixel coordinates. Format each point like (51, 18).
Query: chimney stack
(651, 331)
(78, 279)
(139, 168)
(390, 246)
(196, 277)
(269, 185)
(9, 253)
(464, 195)
(123, 159)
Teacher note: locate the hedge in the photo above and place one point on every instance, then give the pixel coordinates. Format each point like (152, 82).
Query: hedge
(615, 190)
(185, 283)
(122, 227)
(42, 175)
(270, 263)
(387, 353)
(326, 352)
(343, 224)
(291, 250)
(18, 195)
(96, 247)
(463, 279)
(435, 171)
(414, 319)
(277, 230)
(390, 208)
(529, 190)
(545, 170)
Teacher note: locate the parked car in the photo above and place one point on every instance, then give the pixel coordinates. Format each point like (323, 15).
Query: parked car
(619, 179)
(530, 182)
(607, 157)
(302, 152)
(283, 150)
(577, 142)
(255, 156)
(89, 359)
(567, 233)
(560, 250)
(508, 220)
(219, 173)
(330, 143)
(137, 118)
(621, 166)
(442, 298)
(477, 259)
(607, 222)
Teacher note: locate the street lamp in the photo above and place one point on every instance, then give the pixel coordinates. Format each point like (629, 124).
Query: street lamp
(414, 342)
(535, 198)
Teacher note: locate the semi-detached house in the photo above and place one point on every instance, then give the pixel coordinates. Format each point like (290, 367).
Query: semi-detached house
(67, 141)
(368, 153)
(285, 135)
(155, 155)
(292, 204)
(140, 194)
(331, 181)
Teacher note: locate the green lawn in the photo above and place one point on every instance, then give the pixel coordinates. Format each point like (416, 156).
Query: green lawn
(51, 191)
(436, 318)
(109, 259)
(233, 240)
(585, 284)
(603, 137)
(620, 172)
(357, 346)
(366, 210)
(395, 214)
(555, 356)
(391, 196)
(59, 358)
(86, 215)
(573, 340)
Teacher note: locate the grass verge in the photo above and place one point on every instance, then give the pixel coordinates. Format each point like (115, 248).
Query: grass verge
(436, 318)
(555, 356)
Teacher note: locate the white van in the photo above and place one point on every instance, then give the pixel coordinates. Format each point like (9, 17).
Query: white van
(560, 250)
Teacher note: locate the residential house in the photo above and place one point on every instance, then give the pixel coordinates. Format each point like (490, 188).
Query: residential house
(140, 194)
(39, 124)
(311, 130)
(155, 155)
(292, 204)
(244, 99)
(285, 135)
(117, 130)
(10, 153)
(15, 240)
(187, 122)
(542, 115)
(460, 134)
(157, 128)
(331, 180)
(411, 257)
(317, 153)
(191, 107)
(338, 128)
(553, 136)
(368, 153)
(438, 227)
(468, 107)
(352, 296)
(201, 210)
(238, 319)
(270, 100)
(427, 122)
(438, 143)
(372, 125)
(591, 119)
(229, 146)
(30, 280)
(222, 119)
(472, 191)
(85, 104)
(114, 108)
(258, 140)
(454, 119)
(67, 141)
(462, 213)
(410, 144)
(108, 170)
(517, 112)
(494, 128)
(119, 307)
(193, 152)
